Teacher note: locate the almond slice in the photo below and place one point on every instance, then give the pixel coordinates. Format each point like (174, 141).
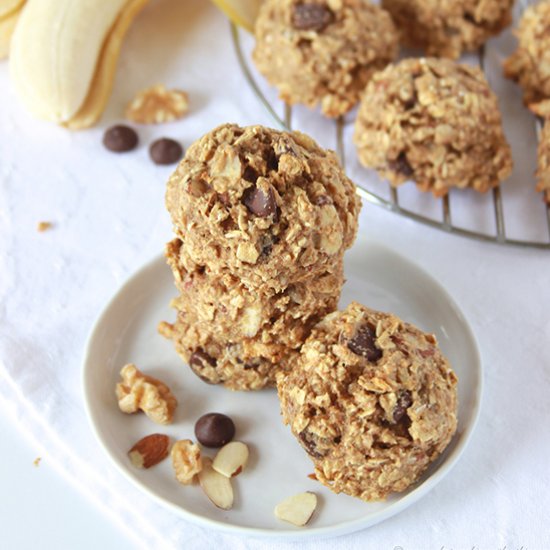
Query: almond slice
(297, 509)
(231, 459)
(149, 450)
(215, 486)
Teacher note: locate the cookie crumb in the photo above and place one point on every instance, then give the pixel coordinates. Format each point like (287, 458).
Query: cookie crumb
(156, 105)
(36, 461)
(44, 226)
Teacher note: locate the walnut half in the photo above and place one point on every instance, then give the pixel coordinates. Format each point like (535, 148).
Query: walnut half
(137, 391)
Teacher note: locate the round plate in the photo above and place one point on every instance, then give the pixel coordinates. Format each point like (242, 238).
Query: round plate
(126, 332)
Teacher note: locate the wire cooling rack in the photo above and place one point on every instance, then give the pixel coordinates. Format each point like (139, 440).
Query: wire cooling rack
(445, 220)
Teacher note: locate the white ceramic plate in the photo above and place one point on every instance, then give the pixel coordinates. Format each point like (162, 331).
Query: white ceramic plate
(278, 467)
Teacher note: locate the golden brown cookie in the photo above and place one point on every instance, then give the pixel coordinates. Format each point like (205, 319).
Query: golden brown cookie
(446, 28)
(543, 166)
(270, 207)
(322, 51)
(435, 122)
(372, 400)
(529, 65)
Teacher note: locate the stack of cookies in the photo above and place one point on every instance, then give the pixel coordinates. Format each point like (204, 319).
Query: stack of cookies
(262, 219)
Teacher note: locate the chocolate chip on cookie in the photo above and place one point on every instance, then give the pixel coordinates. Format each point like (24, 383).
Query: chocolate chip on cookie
(259, 202)
(404, 401)
(363, 343)
(311, 17)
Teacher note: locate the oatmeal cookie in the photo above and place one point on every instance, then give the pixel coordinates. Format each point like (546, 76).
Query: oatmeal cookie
(446, 28)
(435, 122)
(530, 64)
(372, 400)
(543, 166)
(323, 51)
(272, 208)
(230, 335)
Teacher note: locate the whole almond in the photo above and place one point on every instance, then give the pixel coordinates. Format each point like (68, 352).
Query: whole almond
(297, 509)
(149, 451)
(215, 486)
(231, 459)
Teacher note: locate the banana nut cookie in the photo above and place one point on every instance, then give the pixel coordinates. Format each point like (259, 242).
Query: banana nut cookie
(543, 166)
(271, 207)
(435, 122)
(530, 64)
(241, 342)
(323, 51)
(229, 334)
(372, 400)
(446, 28)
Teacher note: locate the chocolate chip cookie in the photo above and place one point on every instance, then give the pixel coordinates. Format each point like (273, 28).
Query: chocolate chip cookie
(372, 400)
(530, 64)
(322, 52)
(446, 28)
(270, 207)
(435, 122)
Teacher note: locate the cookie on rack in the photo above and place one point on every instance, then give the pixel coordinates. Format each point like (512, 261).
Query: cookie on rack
(372, 400)
(322, 52)
(447, 28)
(543, 165)
(435, 122)
(272, 208)
(529, 65)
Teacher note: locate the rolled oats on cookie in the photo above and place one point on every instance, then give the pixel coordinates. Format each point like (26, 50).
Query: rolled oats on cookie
(529, 65)
(372, 400)
(447, 28)
(435, 122)
(322, 52)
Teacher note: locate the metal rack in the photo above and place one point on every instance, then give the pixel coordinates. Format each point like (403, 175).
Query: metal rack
(445, 222)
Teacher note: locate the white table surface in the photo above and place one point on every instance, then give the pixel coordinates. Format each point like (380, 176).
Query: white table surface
(109, 219)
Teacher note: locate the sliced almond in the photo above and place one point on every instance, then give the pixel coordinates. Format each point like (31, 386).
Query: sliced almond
(149, 451)
(215, 486)
(297, 509)
(231, 459)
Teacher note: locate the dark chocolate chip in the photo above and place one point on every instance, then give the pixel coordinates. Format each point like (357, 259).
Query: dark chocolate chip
(311, 17)
(214, 429)
(363, 344)
(309, 445)
(402, 165)
(250, 174)
(120, 139)
(272, 161)
(259, 203)
(404, 401)
(165, 151)
(322, 200)
(198, 361)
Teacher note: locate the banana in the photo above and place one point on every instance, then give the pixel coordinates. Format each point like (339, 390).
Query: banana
(9, 14)
(63, 56)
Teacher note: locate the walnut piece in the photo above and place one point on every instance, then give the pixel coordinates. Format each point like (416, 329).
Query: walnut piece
(138, 391)
(157, 104)
(186, 460)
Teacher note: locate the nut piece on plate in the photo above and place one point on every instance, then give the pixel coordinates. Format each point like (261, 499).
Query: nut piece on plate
(137, 391)
(216, 487)
(529, 65)
(435, 122)
(149, 450)
(231, 459)
(372, 400)
(186, 460)
(323, 52)
(448, 28)
(297, 509)
(157, 104)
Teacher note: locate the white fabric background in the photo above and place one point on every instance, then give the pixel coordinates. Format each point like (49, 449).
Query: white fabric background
(109, 219)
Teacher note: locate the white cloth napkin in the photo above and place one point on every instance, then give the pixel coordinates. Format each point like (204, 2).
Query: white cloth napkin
(109, 218)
